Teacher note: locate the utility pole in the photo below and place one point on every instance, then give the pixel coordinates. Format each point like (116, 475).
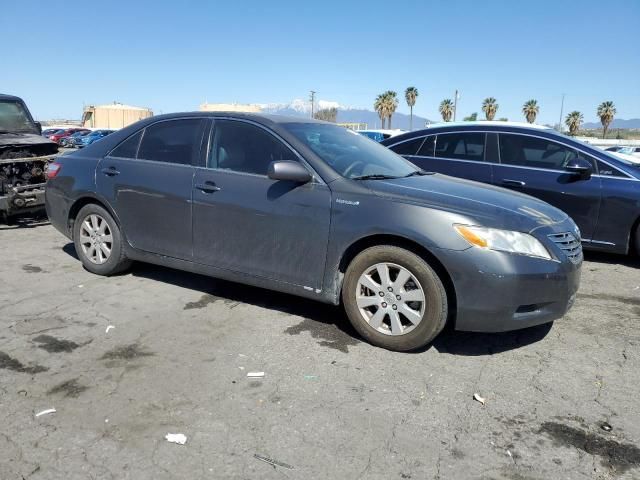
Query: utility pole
(455, 105)
(561, 109)
(312, 98)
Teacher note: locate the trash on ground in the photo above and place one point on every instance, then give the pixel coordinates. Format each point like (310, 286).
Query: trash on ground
(273, 462)
(255, 374)
(80, 286)
(310, 377)
(606, 427)
(109, 328)
(46, 412)
(178, 438)
(478, 398)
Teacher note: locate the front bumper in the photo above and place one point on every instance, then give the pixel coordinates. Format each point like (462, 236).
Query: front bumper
(497, 292)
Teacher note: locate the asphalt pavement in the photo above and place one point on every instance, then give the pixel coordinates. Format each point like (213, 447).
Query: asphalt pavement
(126, 360)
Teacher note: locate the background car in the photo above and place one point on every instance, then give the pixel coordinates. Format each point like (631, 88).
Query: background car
(311, 209)
(57, 136)
(50, 131)
(379, 135)
(599, 190)
(89, 138)
(635, 151)
(69, 140)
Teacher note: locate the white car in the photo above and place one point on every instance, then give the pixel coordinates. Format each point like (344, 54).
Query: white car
(380, 134)
(634, 151)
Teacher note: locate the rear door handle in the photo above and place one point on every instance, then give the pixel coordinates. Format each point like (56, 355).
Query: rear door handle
(111, 171)
(207, 187)
(513, 183)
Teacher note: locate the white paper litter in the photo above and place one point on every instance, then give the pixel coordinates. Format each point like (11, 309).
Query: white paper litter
(46, 412)
(255, 374)
(178, 438)
(478, 398)
(109, 328)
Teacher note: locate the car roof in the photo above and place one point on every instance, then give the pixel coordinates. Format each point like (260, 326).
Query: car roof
(268, 118)
(4, 96)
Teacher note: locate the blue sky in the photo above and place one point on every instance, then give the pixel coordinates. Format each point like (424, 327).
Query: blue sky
(172, 56)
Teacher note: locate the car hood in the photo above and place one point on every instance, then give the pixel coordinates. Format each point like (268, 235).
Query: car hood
(27, 141)
(480, 203)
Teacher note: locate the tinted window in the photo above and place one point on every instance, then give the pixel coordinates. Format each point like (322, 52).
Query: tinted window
(243, 147)
(608, 171)
(463, 146)
(534, 152)
(175, 141)
(428, 147)
(128, 148)
(410, 147)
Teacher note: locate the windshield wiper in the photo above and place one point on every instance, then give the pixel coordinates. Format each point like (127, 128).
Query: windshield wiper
(418, 172)
(375, 176)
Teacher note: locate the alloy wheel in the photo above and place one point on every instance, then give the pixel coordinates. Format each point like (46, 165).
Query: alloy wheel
(96, 239)
(390, 299)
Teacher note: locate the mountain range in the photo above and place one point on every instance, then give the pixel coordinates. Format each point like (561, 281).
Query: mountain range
(399, 120)
(345, 114)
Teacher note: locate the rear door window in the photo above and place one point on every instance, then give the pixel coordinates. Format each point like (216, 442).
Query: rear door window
(128, 148)
(173, 141)
(461, 146)
(410, 147)
(535, 152)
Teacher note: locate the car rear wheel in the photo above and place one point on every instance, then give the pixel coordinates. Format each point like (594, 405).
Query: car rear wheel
(98, 241)
(394, 299)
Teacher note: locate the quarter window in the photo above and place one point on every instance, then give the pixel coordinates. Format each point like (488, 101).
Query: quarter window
(174, 141)
(128, 148)
(243, 147)
(427, 148)
(410, 147)
(534, 152)
(463, 146)
(609, 171)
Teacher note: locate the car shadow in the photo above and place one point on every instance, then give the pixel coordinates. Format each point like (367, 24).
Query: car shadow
(24, 221)
(612, 258)
(326, 323)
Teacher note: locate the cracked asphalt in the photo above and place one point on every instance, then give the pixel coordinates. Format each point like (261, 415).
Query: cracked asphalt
(329, 405)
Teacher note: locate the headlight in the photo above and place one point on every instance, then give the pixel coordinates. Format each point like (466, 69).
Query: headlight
(503, 240)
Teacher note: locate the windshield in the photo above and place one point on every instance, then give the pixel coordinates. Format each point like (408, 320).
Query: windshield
(14, 118)
(349, 154)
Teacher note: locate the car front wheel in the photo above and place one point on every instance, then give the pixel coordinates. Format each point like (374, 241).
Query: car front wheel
(394, 299)
(98, 241)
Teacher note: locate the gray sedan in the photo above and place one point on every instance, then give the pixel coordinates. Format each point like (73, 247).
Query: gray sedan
(312, 209)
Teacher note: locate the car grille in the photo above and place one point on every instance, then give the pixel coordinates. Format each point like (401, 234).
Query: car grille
(569, 244)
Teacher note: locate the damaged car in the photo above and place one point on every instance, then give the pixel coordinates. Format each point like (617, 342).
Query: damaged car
(24, 156)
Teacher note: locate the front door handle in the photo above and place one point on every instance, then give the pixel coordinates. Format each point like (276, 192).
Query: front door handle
(111, 171)
(207, 187)
(513, 183)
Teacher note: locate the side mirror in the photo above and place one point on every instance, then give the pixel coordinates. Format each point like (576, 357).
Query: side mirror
(579, 166)
(288, 170)
(38, 127)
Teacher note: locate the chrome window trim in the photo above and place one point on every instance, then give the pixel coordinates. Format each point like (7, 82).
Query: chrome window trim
(626, 175)
(317, 179)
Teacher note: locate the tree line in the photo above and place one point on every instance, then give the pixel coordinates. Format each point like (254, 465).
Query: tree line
(386, 104)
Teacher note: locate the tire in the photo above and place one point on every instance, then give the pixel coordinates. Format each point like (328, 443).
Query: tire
(406, 324)
(97, 261)
(636, 242)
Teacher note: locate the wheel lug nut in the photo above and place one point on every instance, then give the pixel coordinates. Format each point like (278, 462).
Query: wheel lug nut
(390, 289)
(384, 305)
(382, 294)
(395, 307)
(398, 297)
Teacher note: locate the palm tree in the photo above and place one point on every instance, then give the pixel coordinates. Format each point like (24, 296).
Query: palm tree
(446, 109)
(573, 121)
(530, 110)
(490, 107)
(410, 95)
(391, 103)
(380, 107)
(606, 112)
